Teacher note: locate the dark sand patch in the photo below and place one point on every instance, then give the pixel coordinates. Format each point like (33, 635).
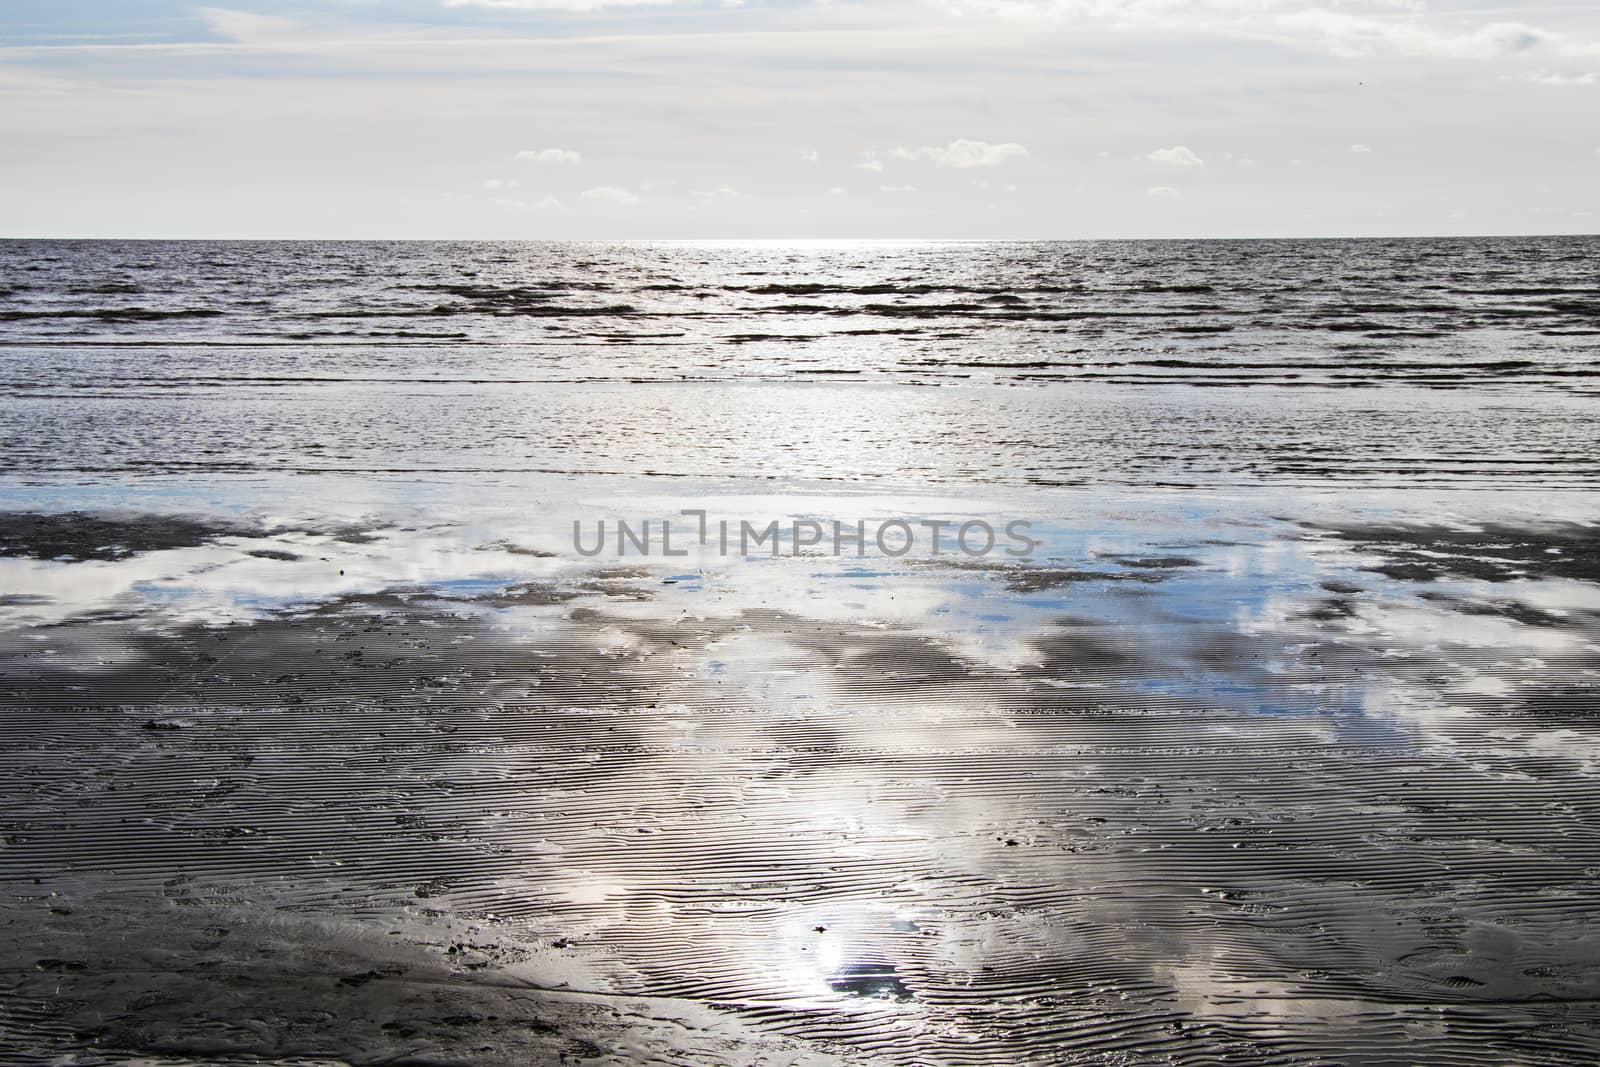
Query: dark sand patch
(220, 983)
(81, 536)
(1492, 552)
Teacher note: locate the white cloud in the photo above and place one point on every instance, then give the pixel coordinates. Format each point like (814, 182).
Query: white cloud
(837, 190)
(609, 194)
(500, 183)
(1549, 78)
(1395, 27)
(13, 83)
(544, 203)
(244, 25)
(722, 192)
(1176, 156)
(809, 155)
(563, 156)
(1360, 149)
(872, 165)
(1353, 35)
(897, 188)
(963, 153)
(1161, 190)
(564, 5)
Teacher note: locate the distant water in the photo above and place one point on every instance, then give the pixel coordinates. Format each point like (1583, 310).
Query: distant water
(1374, 362)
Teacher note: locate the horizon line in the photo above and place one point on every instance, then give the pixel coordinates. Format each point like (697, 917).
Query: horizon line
(804, 240)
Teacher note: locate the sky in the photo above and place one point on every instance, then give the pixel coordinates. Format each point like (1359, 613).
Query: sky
(602, 119)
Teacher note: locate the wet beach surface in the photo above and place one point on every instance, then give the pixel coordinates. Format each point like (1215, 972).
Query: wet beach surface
(1195, 781)
(323, 743)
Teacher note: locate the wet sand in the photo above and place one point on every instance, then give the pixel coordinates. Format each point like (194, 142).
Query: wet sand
(1263, 777)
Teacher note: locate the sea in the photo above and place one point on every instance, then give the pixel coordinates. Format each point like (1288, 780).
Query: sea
(1466, 362)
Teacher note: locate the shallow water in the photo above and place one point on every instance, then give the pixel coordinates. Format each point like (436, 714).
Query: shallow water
(326, 745)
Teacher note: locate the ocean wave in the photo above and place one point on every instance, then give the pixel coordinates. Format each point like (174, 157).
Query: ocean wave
(130, 314)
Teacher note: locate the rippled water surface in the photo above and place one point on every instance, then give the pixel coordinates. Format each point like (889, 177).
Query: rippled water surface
(325, 743)
(1393, 361)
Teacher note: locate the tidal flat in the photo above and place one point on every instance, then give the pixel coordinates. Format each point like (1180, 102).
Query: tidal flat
(1259, 776)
